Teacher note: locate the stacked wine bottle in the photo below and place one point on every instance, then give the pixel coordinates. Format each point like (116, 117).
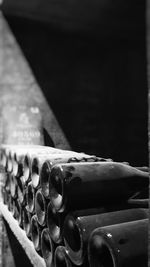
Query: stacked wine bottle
(78, 209)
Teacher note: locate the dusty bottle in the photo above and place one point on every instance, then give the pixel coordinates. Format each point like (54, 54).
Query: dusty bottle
(47, 247)
(120, 245)
(42, 152)
(17, 152)
(16, 164)
(30, 154)
(61, 257)
(13, 186)
(86, 185)
(36, 231)
(63, 158)
(21, 190)
(5, 196)
(37, 163)
(30, 197)
(55, 223)
(7, 183)
(55, 220)
(78, 229)
(41, 207)
(17, 169)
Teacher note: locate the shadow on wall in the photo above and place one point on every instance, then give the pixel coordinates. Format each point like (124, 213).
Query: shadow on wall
(96, 85)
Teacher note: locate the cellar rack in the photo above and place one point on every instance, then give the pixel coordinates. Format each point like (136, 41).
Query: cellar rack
(20, 234)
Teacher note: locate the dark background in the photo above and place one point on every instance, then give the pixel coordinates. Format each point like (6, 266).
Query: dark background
(91, 65)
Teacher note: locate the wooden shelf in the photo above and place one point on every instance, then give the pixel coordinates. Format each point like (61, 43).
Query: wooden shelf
(20, 234)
